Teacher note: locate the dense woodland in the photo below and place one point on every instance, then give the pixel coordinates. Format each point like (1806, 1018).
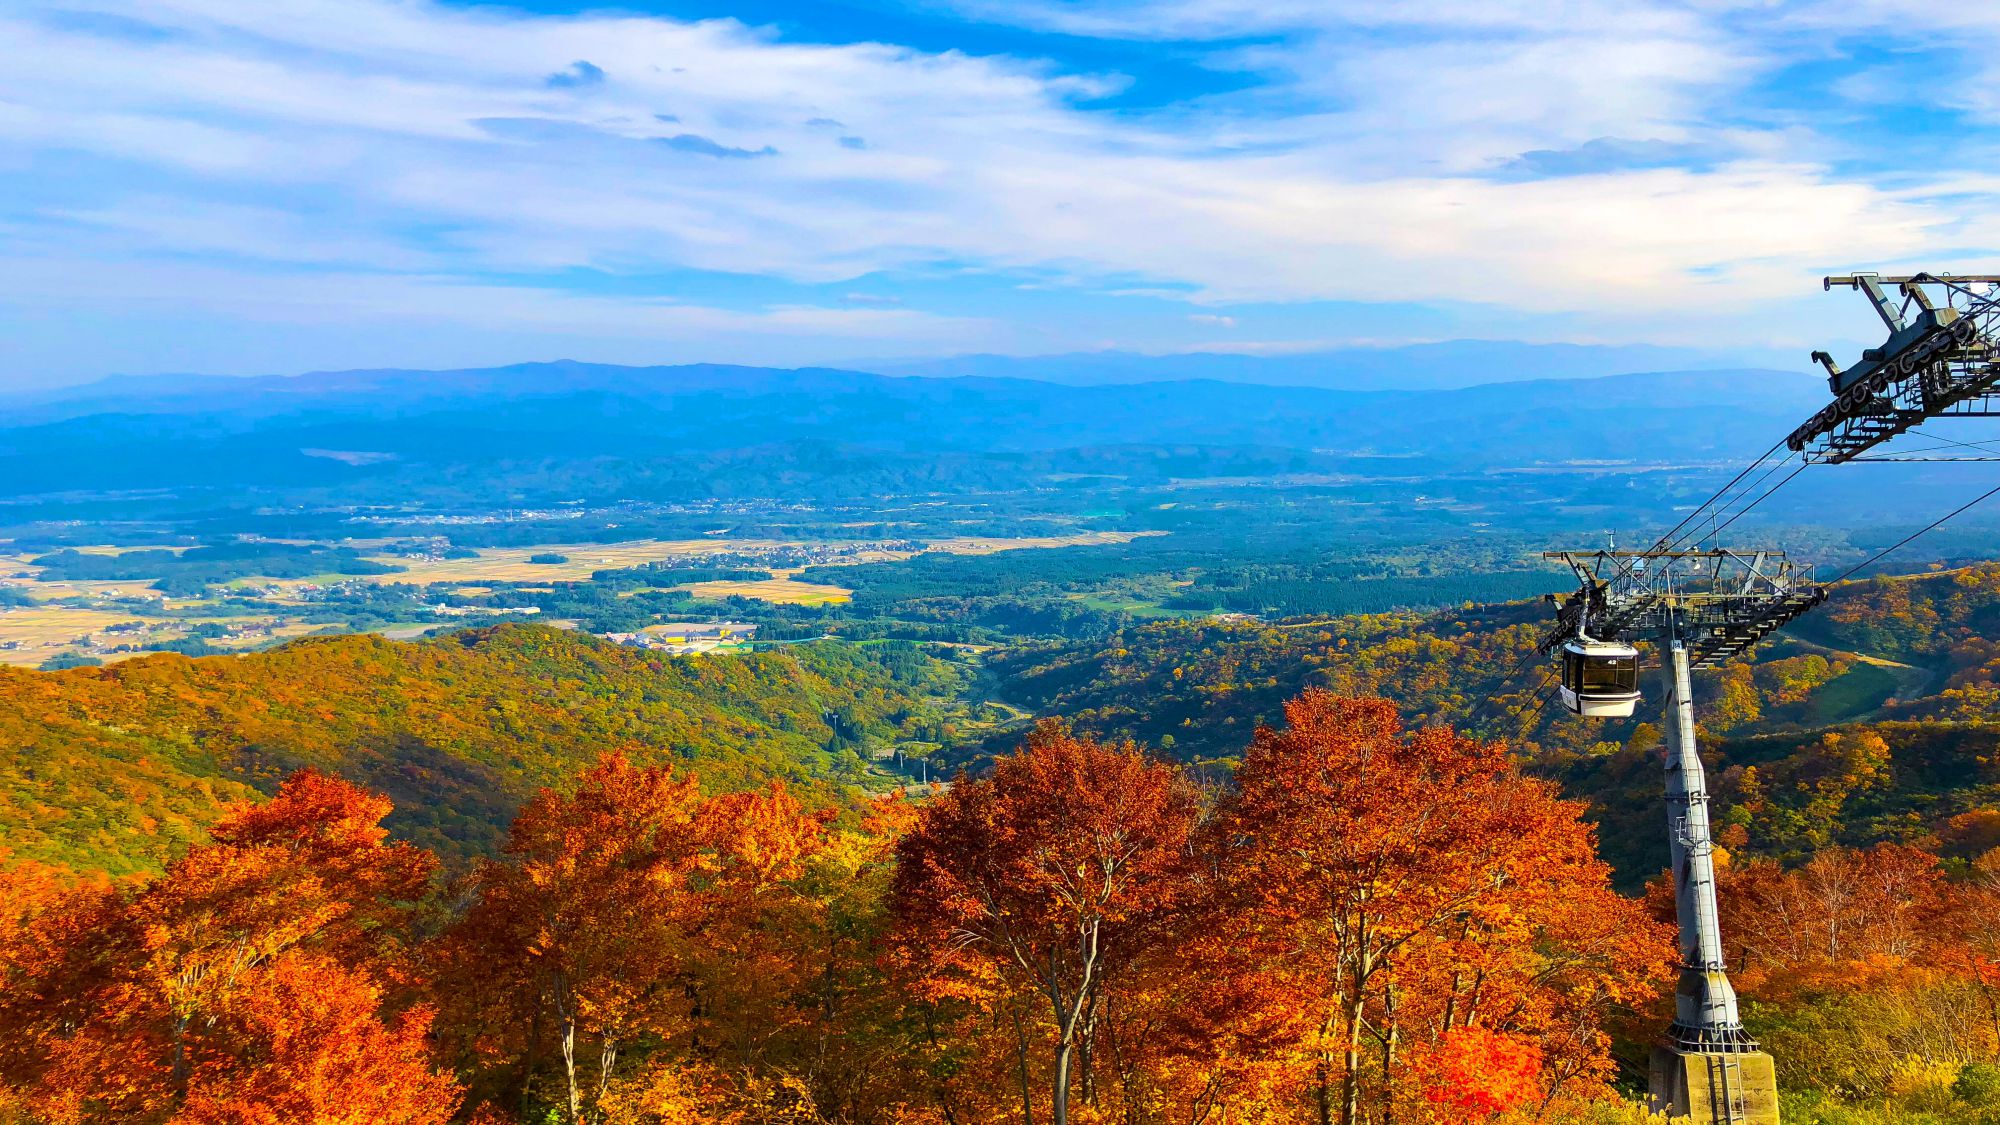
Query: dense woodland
(520, 875)
(1870, 721)
(1082, 934)
(117, 769)
(1370, 925)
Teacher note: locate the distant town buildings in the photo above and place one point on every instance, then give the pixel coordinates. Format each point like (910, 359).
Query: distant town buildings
(686, 636)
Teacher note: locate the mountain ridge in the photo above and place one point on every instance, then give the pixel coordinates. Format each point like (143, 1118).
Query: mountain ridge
(1435, 365)
(278, 429)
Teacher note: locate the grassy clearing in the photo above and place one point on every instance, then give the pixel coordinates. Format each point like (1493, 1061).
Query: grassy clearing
(1862, 689)
(1115, 602)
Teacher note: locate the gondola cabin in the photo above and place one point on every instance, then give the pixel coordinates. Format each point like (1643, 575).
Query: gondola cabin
(1600, 679)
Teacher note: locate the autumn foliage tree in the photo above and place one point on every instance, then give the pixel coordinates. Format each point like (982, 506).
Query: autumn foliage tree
(633, 914)
(1867, 966)
(264, 977)
(1400, 888)
(1370, 924)
(1038, 891)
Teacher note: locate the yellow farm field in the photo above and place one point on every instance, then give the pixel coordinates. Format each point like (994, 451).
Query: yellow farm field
(30, 635)
(122, 588)
(784, 591)
(42, 631)
(510, 564)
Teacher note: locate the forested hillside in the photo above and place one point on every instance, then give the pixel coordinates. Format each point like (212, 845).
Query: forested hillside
(1370, 922)
(624, 888)
(1875, 719)
(643, 954)
(1872, 720)
(116, 769)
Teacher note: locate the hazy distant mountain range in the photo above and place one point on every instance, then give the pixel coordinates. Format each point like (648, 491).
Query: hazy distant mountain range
(333, 427)
(1413, 367)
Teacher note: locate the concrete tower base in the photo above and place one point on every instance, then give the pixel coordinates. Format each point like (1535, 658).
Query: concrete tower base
(1714, 1088)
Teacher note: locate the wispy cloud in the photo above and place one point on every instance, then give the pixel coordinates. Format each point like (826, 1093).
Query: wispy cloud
(1624, 166)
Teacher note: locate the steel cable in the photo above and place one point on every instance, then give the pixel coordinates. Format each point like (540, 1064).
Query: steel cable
(1696, 514)
(1905, 540)
(1694, 533)
(1745, 510)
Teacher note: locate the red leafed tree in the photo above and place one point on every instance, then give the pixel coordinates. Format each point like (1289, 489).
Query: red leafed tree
(315, 1049)
(1049, 879)
(1889, 902)
(1398, 887)
(1889, 957)
(246, 983)
(1474, 1074)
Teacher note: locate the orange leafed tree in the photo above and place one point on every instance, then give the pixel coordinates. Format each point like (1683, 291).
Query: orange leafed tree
(248, 983)
(1038, 890)
(1876, 955)
(587, 924)
(635, 912)
(1399, 887)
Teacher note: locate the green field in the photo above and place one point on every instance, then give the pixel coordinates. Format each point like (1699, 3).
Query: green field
(1864, 688)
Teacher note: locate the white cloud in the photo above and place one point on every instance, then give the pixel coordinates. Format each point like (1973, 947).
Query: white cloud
(411, 149)
(351, 298)
(1230, 19)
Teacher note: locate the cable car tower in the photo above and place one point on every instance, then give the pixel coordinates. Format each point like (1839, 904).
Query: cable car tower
(1700, 607)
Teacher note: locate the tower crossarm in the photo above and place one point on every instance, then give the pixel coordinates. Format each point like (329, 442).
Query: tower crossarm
(1941, 359)
(1718, 602)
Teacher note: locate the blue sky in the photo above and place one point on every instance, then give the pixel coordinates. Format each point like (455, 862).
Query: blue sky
(219, 186)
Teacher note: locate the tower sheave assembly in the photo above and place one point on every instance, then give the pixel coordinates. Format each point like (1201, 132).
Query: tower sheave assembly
(1698, 608)
(1941, 360)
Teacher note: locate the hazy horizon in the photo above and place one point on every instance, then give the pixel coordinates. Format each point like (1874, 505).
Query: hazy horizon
(1089, 367)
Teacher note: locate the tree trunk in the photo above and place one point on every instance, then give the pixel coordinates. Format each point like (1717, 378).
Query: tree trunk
(1350, 1101)
(1021, 1055)
(1086, 1044)
(1389, 1054)
(1325, 1090)
(1994, 1008)
(1323, 1067)
(607, 1057)
(1069, 1015)
(566, 1012)
(569, 1071)
(528, 1056)
(1059, 1106)
(177, 1072)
